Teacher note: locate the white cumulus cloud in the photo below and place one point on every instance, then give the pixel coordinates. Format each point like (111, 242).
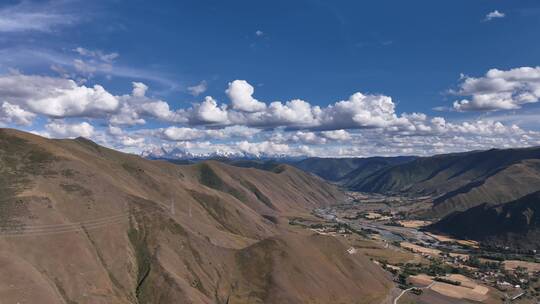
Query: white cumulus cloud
(139, 89)
(56, 97)
(10, 113)
(339, 135)
(263, 148)
(240, 93)
(58, 128)
(500, 90)
(208, 112)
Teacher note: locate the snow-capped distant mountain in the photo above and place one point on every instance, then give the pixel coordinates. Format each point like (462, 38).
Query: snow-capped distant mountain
(180, 154)
(154, 153)
(176, 153)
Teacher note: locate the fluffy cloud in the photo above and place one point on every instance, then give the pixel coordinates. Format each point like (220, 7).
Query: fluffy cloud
(362, 111)
(240, 131)
(56, 97)
(25, 96)
(479, 127)
(116, 137)
(208, 112)
(241, 95)
(10, 113)
(62, 129)
(500, 90)
(126, 115)
(359, 111)
(186, 134)
(339, 135)
(361, 125)
(63, 98)
(295, 137)
(265, 148)
(183, 134)
(133, 108)
(74, 100)
(307, 138)
(59, 98)
(295, 113)
(420, 125)
(139, 89)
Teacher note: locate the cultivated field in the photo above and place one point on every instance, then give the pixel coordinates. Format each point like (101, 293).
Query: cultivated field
(467, 290)
(419, 249)
(530, 266)
(414, 224)
(379, 251)
(444, 238)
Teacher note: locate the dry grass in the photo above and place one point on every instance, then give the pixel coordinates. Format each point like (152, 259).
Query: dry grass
(421, 279)
(447, 239)
(530, 266)
(414, 224)
(468, 289)
(136, 240)
(378, 251)
(478, 293)
(419, 249)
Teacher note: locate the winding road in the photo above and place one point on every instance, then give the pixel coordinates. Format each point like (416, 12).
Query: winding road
(405, 291)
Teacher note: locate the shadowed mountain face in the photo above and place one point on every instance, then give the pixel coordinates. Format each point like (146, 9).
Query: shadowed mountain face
(339, 170)
(348, 169)
(487, 184)
(461, 180)
(80, 223)
(515, 224)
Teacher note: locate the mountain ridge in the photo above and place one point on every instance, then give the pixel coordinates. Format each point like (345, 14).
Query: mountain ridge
(114, 226)
(515, 224)
(459, 181)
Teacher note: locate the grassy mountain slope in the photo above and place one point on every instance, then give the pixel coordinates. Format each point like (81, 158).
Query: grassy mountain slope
(80, 223)
(345, 169)
(515, 224)
(461, 180)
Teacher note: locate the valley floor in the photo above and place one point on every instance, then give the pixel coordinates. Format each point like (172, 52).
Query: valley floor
(431, 268)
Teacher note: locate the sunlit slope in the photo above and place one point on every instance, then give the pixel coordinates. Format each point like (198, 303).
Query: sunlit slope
(81, 223)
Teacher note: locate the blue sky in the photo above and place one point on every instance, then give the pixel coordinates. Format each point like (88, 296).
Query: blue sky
(414, 77)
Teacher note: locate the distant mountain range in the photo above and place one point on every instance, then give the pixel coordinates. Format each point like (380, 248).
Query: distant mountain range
(181, 156)
(477, 182)
(491, 196)
(331, 169)
(457, 181)
(461, 180)
(348, 169)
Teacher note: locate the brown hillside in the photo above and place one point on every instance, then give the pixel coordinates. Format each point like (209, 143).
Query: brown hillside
(80, 223)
